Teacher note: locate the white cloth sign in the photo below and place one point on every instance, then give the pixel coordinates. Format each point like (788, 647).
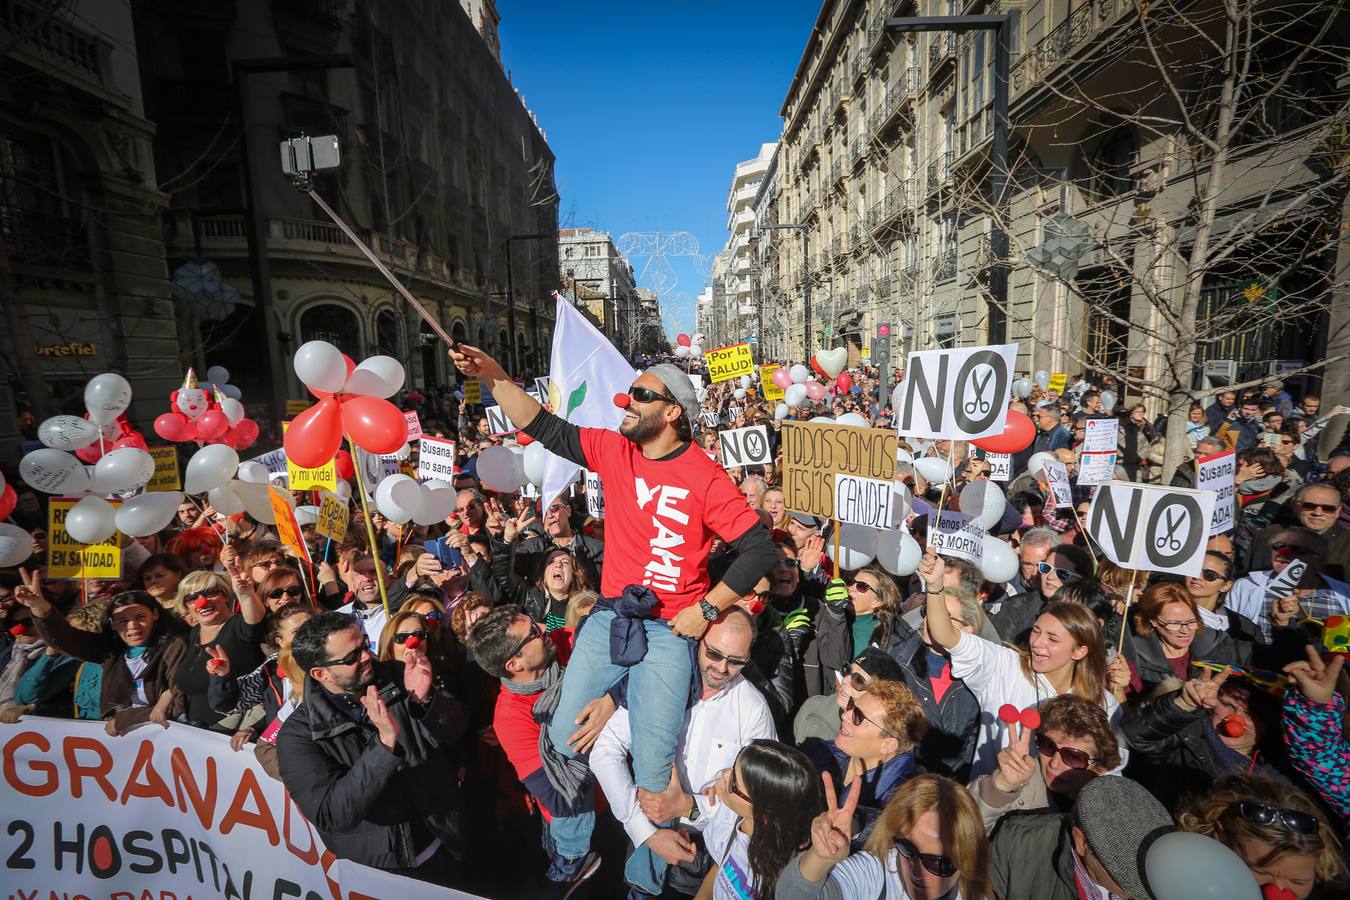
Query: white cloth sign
(863, 501)
(1101, 435)
(274, 460)
(1000, 466)
(595, 496)
(745, 446)
(435, 459)
(1150, 527)
(161, 813)
(708, 417)
(1096, 468)
(1060, 488)
(956, 394)
(1218, 473)
(956, 535)
(1283, 584)
(498, 422)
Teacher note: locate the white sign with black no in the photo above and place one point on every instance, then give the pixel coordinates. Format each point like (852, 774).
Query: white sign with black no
(498, 422)
(1218, 473)
(745, 446)
(1150, 527)
(595, 496)
(956, 394)
(435, 459)
(956, 535)
(863, 501)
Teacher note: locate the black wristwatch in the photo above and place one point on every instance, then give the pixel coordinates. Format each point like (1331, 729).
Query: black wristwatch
(710, 612)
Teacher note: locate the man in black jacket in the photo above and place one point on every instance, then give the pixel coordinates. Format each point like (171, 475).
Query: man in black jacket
(531, 550)
(366, 755)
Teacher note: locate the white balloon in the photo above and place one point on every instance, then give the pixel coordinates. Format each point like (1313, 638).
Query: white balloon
(780, 411)
(376, 376)
(1182, 865)
(984, 502)
(799, 374)
(739, 393)
(147, 514)
(106, 397)
(16, 545)
(123, 469)
(903, 456)
(344, 491)
(682, 351)
(1000, 562)
(231, 391)
(258, 500)
(500, 469)
(795, 395)
(823, 419)
(54, 472)
(832, 362)
(91, 521)
(403, 452)
(1038, 460)
(1022, 387)
(901, 501)
(218, 375)
(700, 394)
(225, 500)
(852, 418)
(1042, 379)
(210, 467)
(306, 515)
(437, 502)
(253, 472)
(398, 498)
(67, 432)
(857, 546)
(746, 381)
(933, 469)
(535, 463)
(233, 410)
(898, 552)
(320, 365)
(1108, 399)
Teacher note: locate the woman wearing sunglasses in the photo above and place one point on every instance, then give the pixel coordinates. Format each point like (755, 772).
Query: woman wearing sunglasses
(765, 805)
(280, 587)
(140, 647)
(1208, 590)
(220, 623)
(1282, 836)
(929, 844)
(1167, 634)
(1066, 655)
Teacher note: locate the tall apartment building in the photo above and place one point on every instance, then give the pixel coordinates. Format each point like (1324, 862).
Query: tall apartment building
(885, 158)
(741, 314)
(589, 259)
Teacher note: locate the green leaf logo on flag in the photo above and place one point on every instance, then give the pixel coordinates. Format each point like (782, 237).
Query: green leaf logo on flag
(575, 399)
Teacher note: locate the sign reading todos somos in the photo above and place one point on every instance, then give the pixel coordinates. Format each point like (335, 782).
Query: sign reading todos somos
(1149, 527)
(815, 452)
(955, 394)
(161, 813)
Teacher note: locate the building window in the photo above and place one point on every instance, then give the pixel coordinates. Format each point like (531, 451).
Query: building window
(944, 331)
(334, 324)
(386, 335)
(1111, 167)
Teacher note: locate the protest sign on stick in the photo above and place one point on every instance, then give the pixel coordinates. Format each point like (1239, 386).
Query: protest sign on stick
(1060, 489)
(772, 392)
(1150, 527)
(1096, 468)
(1218, 473)
(435, 459)
(595, 495)
(68, 558)
(166, 469)
(414, 425)
(745, 446)
(498, 422)
(956, 394)
(956, 535)
(1000, 466)
(726, 363)
(814, 452)
(1101, 435)
(863, 501)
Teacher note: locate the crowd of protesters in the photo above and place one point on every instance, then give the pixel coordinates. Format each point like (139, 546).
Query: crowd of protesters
(458, 703)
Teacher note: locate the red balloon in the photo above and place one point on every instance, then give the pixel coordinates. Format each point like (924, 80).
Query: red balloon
(844, 381)
(682, 340)
(246, 431)
(315, 435)
(1018, 433)
(376, 425)
(7, 501)
(815, 367)
(91, 454)
(211, 426)
(346, 469)
(173, 427)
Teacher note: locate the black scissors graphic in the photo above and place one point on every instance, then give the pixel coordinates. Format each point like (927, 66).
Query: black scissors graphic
(979, 404)
(1170, 541)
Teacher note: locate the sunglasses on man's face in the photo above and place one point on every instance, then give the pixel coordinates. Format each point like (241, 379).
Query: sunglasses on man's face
(935, 863)
(292, 591)
(1291, 819)
(1063, 574)
(647, 395)
(1309, 506)
(1292, 549)
(1070, 756)
(350, 659)
(402, 637)
(733, 662)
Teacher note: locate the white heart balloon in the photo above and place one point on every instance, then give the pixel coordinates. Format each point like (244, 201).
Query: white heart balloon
(253, 472)
(320, 365)
(854, 419)
(437, 502)
(984, 502)
(934, 470)
(16, 545)
(91, 521)
(903, 456)
(225, 500)
(500, 469)
(210, 467)
(54, 472)
(147, 514)
(123, 469)
(1000, 562)
(376, 376)
(67, 432)
(398, 498)
(832, 361)
(106, 397)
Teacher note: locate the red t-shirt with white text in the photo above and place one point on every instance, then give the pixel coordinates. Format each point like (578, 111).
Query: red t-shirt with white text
(661, 517)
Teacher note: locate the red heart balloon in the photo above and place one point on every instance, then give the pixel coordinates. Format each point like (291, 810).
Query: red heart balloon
(315, 435)
(682, 340)
(245, 434)
(844, 381)
(1018, 433)
(376, 425)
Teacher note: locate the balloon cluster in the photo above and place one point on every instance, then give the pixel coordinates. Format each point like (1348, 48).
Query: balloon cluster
(205, 417)
(352, 401)
(687, 345)
(230, 486)
(799, 388)
(399, 498)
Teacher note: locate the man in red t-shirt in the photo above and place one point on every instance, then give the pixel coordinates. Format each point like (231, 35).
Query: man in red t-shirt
(664, 502)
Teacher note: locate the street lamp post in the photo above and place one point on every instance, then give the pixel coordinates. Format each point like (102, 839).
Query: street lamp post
(511, 303)
(806, 282)
(998, 154)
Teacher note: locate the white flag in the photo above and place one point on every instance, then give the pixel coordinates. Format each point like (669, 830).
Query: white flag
(585, 372)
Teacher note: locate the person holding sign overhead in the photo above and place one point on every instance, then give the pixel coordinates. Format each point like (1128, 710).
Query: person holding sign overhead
(1066, 656)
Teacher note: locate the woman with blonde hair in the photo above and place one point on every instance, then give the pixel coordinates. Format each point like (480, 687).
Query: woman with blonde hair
(223, 627)
(1281, 834)
(929, 843)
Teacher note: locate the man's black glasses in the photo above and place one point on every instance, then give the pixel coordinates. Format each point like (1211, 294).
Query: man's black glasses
(733, 662)
(535, 632)
(647, 395)
(350, 659)
(937, 864)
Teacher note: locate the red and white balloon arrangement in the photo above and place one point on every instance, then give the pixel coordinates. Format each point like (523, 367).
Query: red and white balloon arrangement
(351, 402)
(205, 417)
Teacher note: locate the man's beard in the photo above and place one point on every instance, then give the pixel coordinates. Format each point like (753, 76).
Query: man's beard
(647, 427)
(358, 682)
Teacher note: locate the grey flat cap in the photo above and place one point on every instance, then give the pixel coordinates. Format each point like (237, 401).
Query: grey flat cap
(1120, 819)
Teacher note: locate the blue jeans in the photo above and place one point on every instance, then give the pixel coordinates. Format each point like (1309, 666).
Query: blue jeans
(567, 840)
(658, 692)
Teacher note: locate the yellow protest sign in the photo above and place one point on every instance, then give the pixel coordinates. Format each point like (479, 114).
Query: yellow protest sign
(296, 407)
(166, 470)
(814, 452)
(68, 558)
(288, 530)
(324, 478)
(333, 516)
(726, 363)
(1057, 382)
(473, 391)
(772, 392)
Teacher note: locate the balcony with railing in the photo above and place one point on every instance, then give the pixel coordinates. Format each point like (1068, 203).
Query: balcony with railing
(44, 239)
(1066, 40)
(856, 235)
(836, 172)
(944, 265)
(899, 100)
(39, 28)
(941, 53)
(822, 260)
(940, 170)
(837, 246)
(907, 276)
(858, 150)
(900, 200)
(858, 67)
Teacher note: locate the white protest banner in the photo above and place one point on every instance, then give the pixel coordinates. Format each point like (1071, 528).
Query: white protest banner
(414, 424)
(956, 394)
(1283, 584)
(498, 422)
(1150, 527)
(1096, 468)
(863, 501)
(1060, 488)
(435, 459)
(1218, 473)
(1101, 435)
(274, 460)
(708, 417)
(161, 813)
(595, 496)
(1000, 466)
(815, 453)
(956, 535)
(745, 446)
(734, 413)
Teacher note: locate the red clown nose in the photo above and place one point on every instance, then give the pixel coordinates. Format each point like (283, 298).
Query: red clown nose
(1234, 727)
(623, 401)
(19, 630)
(413, 642)
(202, 602)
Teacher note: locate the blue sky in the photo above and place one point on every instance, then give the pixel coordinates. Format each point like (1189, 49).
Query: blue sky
(648, 108)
